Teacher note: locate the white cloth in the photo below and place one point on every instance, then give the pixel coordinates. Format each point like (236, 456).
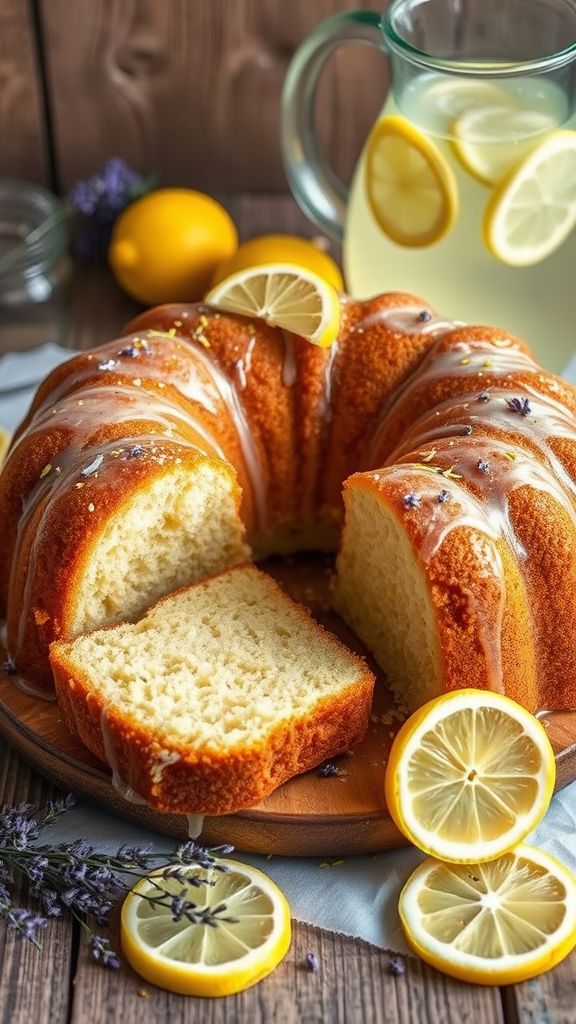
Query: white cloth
(358, 897)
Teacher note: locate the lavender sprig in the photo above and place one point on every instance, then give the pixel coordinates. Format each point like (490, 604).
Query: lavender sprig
(99, 200)
(72, 878)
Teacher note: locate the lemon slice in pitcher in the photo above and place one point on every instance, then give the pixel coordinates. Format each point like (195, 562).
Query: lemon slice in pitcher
(469, 775)
(283, 296)
(489, 141)
(491, 924)
(243, 935)
(410, 187)
(533, 211)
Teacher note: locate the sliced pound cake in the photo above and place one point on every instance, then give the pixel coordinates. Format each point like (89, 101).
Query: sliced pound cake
(223, 691)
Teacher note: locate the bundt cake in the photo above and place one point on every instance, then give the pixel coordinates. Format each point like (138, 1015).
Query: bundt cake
(221, 692)
(458, 564)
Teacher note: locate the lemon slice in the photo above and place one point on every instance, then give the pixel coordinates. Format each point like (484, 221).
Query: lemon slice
(284, 296)
(410, 187)
(491, 924)
(533, 210)
(249, 938)
(469, 775)
(489, 141)
(451, 97)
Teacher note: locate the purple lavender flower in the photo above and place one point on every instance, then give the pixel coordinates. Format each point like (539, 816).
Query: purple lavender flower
(79, 848)
(519, 405)
(483, 465)
(100, 199)
(133, 856)
(312, 962)
(484, 396)
(193, 853)
(18, 826)
(50, 902)
(178, 906)
(56, 808)
(36, 869)
(180, 874)
(25, 922)
(396, 966)
(424, 316)
(100, 950)
(411, 500)
(130, 352)
(108, 191)
(443, 497)
(328, 770)
(135, 452)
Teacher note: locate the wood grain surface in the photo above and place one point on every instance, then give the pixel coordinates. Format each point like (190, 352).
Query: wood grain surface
(189, 90)
(23, 128)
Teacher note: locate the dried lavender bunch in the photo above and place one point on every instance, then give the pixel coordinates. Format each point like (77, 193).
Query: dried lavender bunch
(73, 878)
(99, 200)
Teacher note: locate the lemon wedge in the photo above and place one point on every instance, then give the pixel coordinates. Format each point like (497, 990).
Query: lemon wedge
(284, 296)
(249, 937)
(533, 210)
(410, 187)
(491, 924)
(469, 775)
(490, 141)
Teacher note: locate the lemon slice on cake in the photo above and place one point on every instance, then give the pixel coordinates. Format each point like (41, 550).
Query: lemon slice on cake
(469, 775)
(248, 936)
(410, 187)
(491, 140)
(533, 210)
(493, 924)
(285, 296)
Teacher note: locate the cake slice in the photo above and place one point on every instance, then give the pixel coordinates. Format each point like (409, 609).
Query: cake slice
(223, 691)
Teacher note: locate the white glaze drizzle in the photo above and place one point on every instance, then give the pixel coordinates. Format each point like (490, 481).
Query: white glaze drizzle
(230, 397)
(195, 824)
(163, 759)
(243, 364)
(289, 367)
(122, 788)
(325, 402)
(472, 359)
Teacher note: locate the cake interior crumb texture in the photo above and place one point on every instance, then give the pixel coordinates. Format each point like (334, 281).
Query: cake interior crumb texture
(382, 593)
(217, 665)
(182, 527)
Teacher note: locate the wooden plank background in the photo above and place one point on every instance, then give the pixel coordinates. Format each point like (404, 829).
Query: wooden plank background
(188, 90)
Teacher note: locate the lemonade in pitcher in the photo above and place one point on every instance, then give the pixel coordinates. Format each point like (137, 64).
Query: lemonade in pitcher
(465, 192)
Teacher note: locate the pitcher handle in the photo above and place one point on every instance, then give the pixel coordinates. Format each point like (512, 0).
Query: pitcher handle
(315, 185)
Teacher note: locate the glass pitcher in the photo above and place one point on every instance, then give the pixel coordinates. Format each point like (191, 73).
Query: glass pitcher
(465, 192)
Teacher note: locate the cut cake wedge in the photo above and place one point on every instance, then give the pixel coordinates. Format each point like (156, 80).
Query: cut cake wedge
(224, 690)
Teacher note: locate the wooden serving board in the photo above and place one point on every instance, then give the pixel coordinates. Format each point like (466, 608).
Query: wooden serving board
(310, 815)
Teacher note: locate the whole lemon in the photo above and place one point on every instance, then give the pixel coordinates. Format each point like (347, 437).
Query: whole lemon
(281, 249)
(166, 246)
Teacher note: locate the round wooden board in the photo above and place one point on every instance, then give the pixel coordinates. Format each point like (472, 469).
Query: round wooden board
(309, 815)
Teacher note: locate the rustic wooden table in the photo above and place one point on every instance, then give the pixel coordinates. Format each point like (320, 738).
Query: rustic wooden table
(353, 985)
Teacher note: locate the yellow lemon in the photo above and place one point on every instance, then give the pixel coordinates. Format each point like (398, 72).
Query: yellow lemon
(248, 936)
(469, 775)
(533, 210)
(283, 296)
(166, 246)
(282, 249)
(4, 444)
(491, 924)
(411, 189)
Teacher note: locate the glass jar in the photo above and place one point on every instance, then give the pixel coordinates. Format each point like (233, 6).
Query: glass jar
(35, 268)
